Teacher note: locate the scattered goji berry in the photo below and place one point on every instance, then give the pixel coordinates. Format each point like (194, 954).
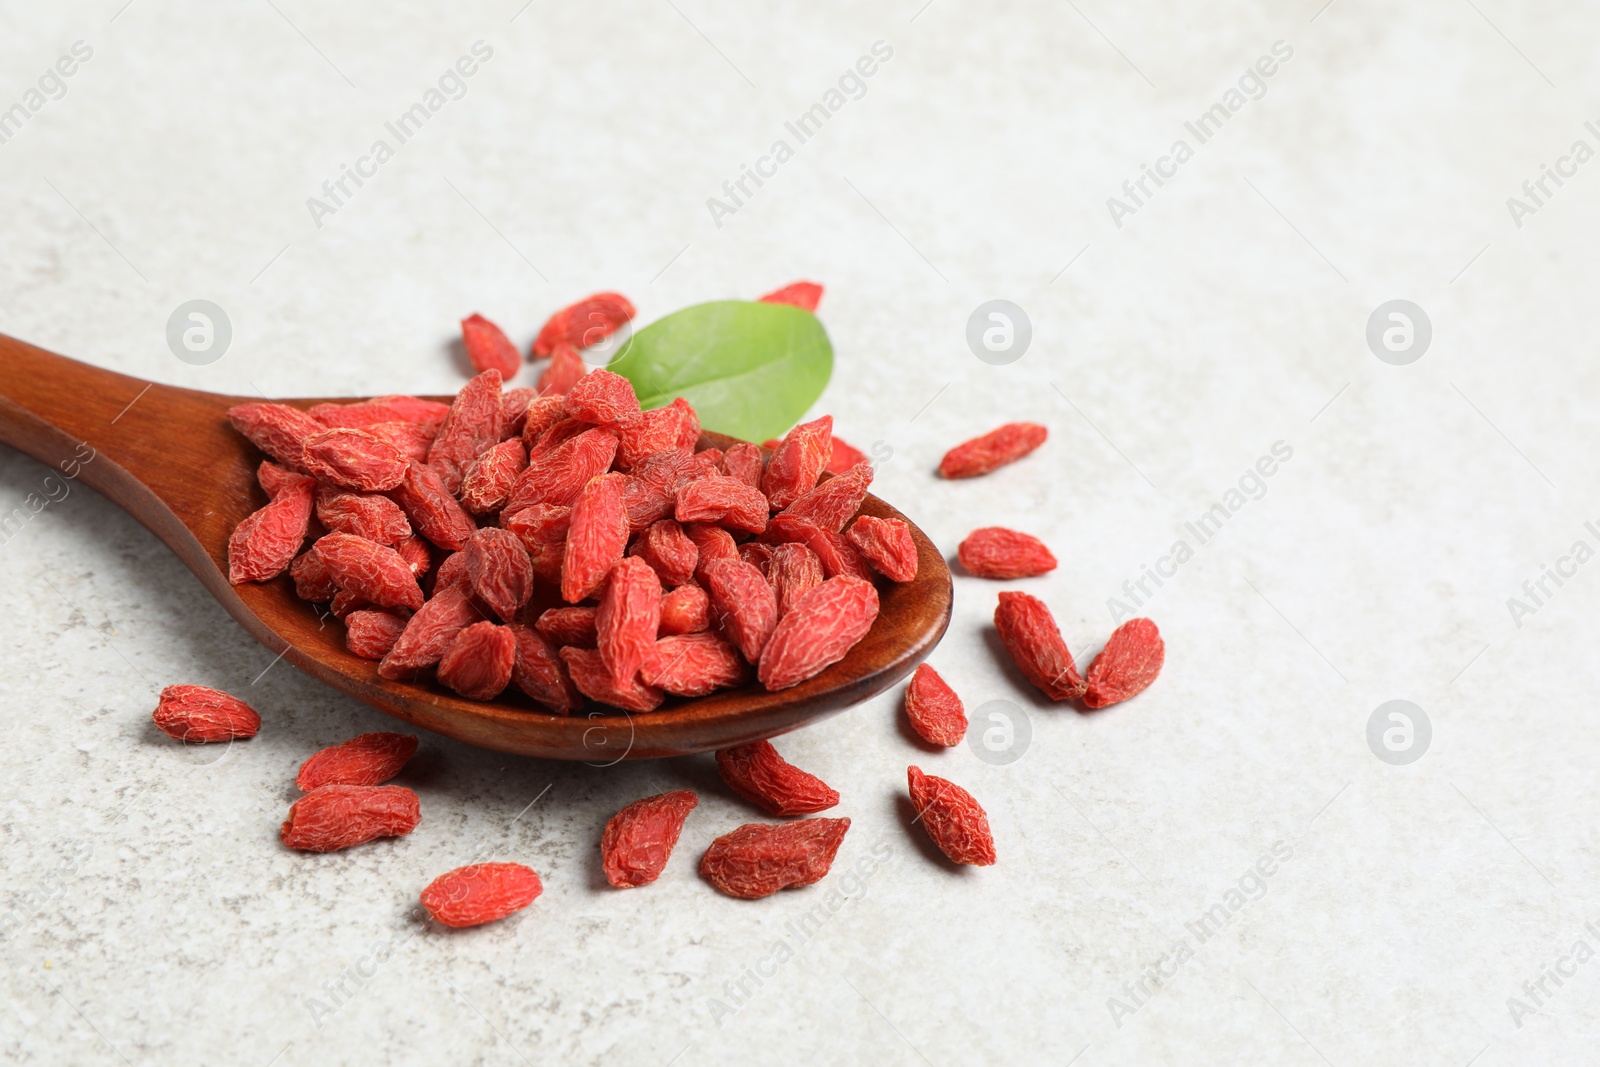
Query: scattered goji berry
(480, 893)
(1007, 444)
(935, 711)
(692, 665)
(566, 370)
(339, 816)
(887, 545)
(195, 713)
(756, 772)
(374, 572)
(597, 539)
(996, 552)
(803, 295)
(1030, 634)
(371, 634)
(744, 604)
(627, 618)
(488, 347)
(370, 759)
(471, 428)
(487, 484)
(819, 630)
(712, 543)
(953, 819)
(353, 459)
(478, 662)
(638, 840)
(543, 412)
(593, 679)
(499, 570)
(584, 323)
(798, 461)
(266, 542)
(272, 477)
(685, 610)
(603, 398)
(1126, 666)
(758, 859)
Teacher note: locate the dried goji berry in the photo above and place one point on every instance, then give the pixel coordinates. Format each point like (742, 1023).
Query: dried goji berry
(935, 711)
(539, 672)
(1007, 444)
(266, 542)
(487, 484)
(429, 632)
(795, 571)
(668, 549)
(434, 513)
(480, 893)
(603, 398)
(726, 501)
(353, 459)
(832, 503)
(758, 859)
(803, 295)
(539, 524)
(414, 550)
(597, 539)
(844, 457)
(823, 625)
(200, 714)
(638, 840)
(1126, 666)
(377, 518)
(272, 477)
(471, 428)
(996, 552)
(558, 476)
(674, 426)
(499, 570)
(685, 610)
(346, 603)
(1030, 634)
(277, 429)
(453, 571)
(756, 772)
(593, 679)
(557, 434)
(692, 665)
(742, 461)
(712, 543)
(953, 819)
(364, 414)
(413, 439)
(514, 405)
(370, 759)
(311, 579)
(339, 816)
(566, 369)
(838, 555)
(478, 662)
(374, 572)
(744, 604)
(759, 556)
(627, 618)
(488, 347)
(570, 626)
(587, 322)
(887, 545)
(371, 634)
(544, 411)
(798, 461)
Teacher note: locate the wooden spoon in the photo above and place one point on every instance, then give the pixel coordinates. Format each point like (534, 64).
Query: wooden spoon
(171, 460)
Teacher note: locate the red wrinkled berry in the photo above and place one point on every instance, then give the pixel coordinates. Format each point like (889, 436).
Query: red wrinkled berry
(743, 462)
(670, 551)
(934, 709)
(844, 457)
(277, 429)
(674, 426)
(333, 817)
(638, 840)
(499, 570)
(756, 772)
(1126, 666)
(539, 672)
(376, 573)
(837, 554)
(587, 322)
(434, 513)
(489, 479)
(365, 414)
(195, 713)
(566, 370)
(429, 632)
(887, 545)
(803, 295)
(759, 859)
(480, 893)
(597, 539)
(744, 603)
(578, 627)
(794, 572)
(376, 518)
(370, 759)
(1007, 444)
(471, 428)
(725, 501)
(833, 502)
(593, 679)
(603, 398)
(1030, 634)
(413, 439)
(266, 542)
(953, 819)
(478, 662)
(627, 618)
(371, 634)
(353, 459)
(488, 347)
(692, 665)
(685, 610)
(311, 579)
(819, 630)
(559, 475)
(996, 552)
(798, 461)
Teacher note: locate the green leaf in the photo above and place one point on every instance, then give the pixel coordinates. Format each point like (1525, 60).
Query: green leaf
(750, 369)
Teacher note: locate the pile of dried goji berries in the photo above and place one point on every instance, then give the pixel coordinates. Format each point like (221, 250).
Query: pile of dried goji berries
(563, 541)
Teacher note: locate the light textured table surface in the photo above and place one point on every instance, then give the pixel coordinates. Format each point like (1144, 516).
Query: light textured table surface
(1426, 913)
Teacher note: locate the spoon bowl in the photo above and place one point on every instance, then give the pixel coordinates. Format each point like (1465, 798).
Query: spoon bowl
(170, 458)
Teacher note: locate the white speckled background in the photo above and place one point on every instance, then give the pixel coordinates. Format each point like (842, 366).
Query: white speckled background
(149, 915)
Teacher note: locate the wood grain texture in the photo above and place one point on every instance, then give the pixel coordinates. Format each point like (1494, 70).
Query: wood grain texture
(170, 459)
